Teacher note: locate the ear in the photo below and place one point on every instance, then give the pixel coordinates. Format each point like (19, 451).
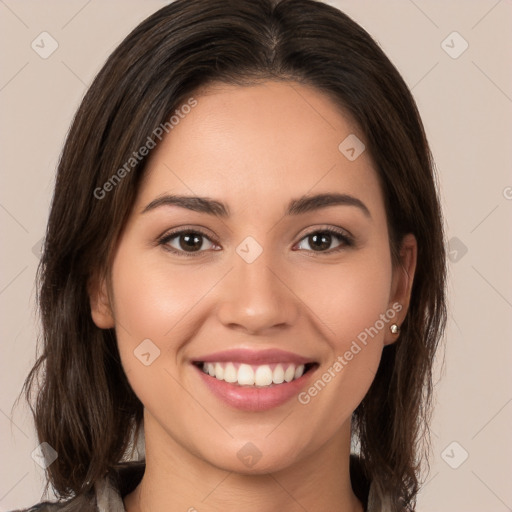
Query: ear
(101, 309)
(401, 284)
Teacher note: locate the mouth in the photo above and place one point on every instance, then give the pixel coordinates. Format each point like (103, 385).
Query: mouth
(255, 376)
(254, 381)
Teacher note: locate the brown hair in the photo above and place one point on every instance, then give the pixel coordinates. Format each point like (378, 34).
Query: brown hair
(84, 407)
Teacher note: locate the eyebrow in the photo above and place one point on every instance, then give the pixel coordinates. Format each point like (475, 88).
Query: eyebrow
(298, 206)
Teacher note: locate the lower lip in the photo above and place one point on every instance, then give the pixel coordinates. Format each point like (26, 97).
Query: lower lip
(248, 398)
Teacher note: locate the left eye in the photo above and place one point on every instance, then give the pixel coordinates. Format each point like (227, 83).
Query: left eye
(322, 240)
(190, 243)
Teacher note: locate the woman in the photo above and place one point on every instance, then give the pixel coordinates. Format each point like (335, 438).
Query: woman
(244, 271)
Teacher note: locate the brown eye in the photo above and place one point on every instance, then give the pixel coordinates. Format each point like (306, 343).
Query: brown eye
(321, 240)
(185, 242)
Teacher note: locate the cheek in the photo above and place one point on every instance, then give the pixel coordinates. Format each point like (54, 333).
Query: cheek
(350, 301)
(149, 299)
(151, 307)
(350, 297)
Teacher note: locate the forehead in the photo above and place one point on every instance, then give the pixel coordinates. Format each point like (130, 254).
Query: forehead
(259, 145)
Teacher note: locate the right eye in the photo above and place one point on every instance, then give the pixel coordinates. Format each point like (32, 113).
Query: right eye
(185, 242)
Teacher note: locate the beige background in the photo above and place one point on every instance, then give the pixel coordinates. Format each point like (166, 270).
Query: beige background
(466, 104)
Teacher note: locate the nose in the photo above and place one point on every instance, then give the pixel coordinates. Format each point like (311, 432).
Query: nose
(256, 297)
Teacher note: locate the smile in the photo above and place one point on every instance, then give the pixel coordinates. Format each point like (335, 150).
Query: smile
(264, 376)
(254, 381)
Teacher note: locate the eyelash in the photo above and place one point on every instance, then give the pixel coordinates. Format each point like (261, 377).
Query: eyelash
(347, 240)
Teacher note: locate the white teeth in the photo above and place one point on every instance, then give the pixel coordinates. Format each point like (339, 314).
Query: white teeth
(263, 376)
(230, 373)
(219, 371)
(289, 373)
(245, 375)
(256, 375)
(278, 377)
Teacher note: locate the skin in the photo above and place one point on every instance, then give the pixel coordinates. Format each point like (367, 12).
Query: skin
(254, 148)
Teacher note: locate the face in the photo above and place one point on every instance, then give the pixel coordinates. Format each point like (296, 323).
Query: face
(251, 327)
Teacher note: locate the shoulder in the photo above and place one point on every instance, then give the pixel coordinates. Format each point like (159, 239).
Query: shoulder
(108, 493)
(77, 504)
(45, 506)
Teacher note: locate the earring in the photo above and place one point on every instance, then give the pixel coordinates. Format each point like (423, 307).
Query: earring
(394, 328)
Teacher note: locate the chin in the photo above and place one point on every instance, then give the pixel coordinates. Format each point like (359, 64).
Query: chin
(254, 456)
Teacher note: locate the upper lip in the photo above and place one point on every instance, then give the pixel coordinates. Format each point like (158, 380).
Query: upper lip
(248, 356)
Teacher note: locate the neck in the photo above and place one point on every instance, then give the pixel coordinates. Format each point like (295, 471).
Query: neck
(176, 479)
